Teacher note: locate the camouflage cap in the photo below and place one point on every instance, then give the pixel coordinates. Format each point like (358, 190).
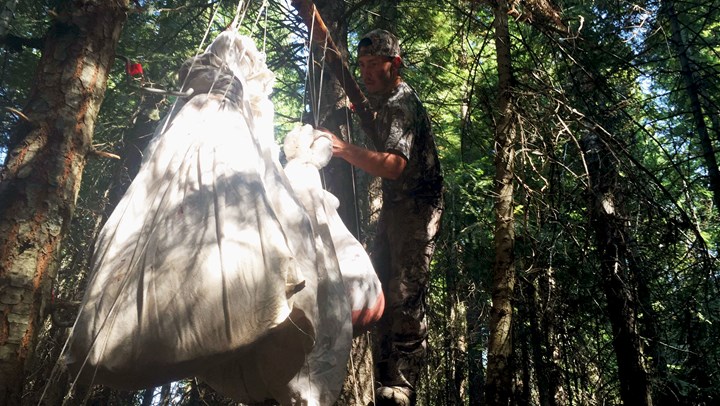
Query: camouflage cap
(379, 43)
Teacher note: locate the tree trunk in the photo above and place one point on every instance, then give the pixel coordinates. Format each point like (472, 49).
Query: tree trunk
(165, 395)
(649, 329)
(147, 397)
(693, 94)
(453, 328)
(697, 364)
(546, 354)
(555, 387)
(524, 390)
(475, 318)
(476, 332)
(618, 282)
(498, 387)
(536, 335)
(358, 385)
(6, 15)
(41, 179)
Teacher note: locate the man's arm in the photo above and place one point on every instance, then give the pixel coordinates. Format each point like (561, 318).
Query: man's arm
(384, 164)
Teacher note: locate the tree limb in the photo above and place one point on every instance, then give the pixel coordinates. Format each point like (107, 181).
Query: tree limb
(15, 44)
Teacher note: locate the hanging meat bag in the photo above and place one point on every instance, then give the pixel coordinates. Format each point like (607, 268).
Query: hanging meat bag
(209, 259)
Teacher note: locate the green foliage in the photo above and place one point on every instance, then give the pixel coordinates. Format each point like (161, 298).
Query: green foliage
(614, 73)
(17, 66)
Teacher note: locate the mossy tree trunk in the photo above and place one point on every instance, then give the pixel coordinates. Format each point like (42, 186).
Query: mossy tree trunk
(43, 170)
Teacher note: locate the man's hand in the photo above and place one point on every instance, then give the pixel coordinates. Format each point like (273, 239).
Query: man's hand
(339, 146)
(387, 165)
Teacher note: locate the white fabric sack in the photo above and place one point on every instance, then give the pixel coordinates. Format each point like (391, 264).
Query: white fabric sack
(308, 150)
(209, 259)
(324, 365)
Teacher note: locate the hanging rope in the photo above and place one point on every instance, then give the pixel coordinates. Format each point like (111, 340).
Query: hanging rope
(309, 14)
(267, 11)
(320, 88)
(308, 67)
(315, 96)
(263, 7)
(237, 20)
(352, 173)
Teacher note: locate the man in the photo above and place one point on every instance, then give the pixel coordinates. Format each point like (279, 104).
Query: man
(406, 159)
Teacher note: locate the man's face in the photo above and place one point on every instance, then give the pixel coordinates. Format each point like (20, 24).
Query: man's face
(378, 73)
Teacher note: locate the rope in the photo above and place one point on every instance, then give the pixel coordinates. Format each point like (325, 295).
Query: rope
(322, 74)
(308, 66)
(263, 7)
(356, 391)
(238, 19)
(352, 172)
(315, 103)
(267, 11)
(354, 370)
(315, 97)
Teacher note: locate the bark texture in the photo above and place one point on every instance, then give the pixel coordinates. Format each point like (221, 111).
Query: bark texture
(618, 283)
(498, 387)
(6, 14)
(41, 178)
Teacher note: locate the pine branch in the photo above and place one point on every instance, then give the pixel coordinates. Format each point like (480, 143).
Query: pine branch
(15, 44)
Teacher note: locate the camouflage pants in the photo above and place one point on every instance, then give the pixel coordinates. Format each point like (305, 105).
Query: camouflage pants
(403, 248)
